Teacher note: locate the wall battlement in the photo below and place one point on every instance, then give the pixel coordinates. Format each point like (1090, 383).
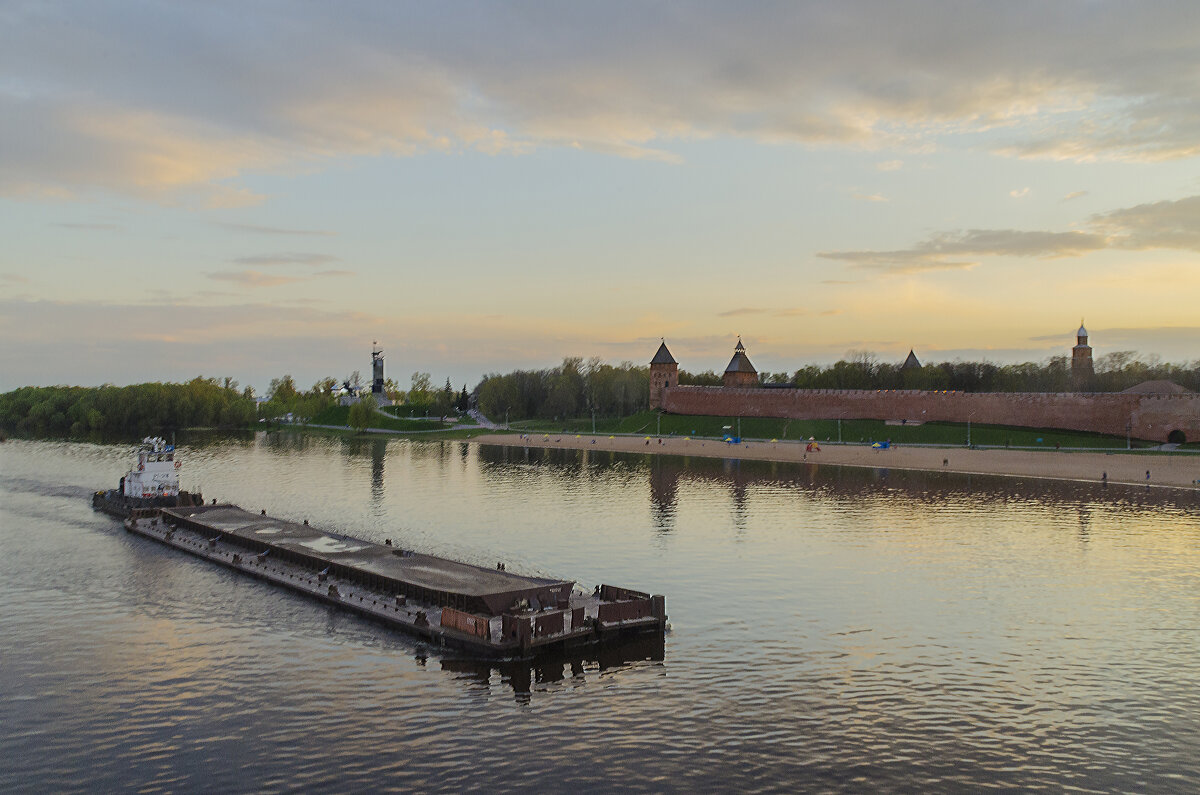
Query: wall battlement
(1146, 416)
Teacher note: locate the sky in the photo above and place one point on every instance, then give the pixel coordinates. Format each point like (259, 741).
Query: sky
(247, 190)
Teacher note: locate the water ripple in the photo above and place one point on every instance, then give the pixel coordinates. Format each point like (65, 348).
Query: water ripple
(831, 630)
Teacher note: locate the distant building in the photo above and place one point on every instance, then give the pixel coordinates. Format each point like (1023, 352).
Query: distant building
(740, 372)
(350, 393)
(664, 373)
(377, 373)
(1082, 371)
(911, 363)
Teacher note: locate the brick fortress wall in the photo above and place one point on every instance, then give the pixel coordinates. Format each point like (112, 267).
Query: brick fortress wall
(1151, 416)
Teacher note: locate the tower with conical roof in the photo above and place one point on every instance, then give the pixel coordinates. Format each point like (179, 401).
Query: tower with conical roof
(740, 372)
(1082, 371)
(664, 373)
(912, 362)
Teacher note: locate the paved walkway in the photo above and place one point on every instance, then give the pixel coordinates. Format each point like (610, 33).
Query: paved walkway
(1178, 470)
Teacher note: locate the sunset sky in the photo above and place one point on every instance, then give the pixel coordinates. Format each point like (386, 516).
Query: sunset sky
(252, 189)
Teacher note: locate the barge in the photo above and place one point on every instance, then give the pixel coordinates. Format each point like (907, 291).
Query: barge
(491, 613)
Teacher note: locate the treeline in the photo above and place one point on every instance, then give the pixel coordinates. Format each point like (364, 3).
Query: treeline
(576, 388)
(200, 403)
(135, 409)
(1114, 372)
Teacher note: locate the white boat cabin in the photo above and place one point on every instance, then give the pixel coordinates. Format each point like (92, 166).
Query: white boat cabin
(154, 473)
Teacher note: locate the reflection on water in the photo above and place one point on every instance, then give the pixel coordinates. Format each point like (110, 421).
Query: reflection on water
(525, 676)
(832, 628)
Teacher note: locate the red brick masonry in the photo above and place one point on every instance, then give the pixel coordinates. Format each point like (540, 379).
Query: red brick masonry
(1148, 416)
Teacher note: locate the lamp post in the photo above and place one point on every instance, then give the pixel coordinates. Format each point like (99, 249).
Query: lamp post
(1128, 432)
(593, 421)
(969, 416)
(506, 419)
(839, 429)
(739, 428)
(658, 431)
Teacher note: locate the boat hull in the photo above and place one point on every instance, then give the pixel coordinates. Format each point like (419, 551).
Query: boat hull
(114, 503)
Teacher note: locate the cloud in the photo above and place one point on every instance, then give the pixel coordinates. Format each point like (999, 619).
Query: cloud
(178, 105)
(1075, 195)
(251, 341)
(273, 230)
(1171, 224)
(870, 197)
(890, 165)
(251, 278)
(61, 149)
(89, 227)
(912, 261)
(767, 311)
(14, 278)
(1019, 194)
(1164, 224)
(287, 258)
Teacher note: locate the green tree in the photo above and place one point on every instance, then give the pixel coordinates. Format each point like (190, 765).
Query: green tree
(443, 402)
(421, 393)
(283, 389)
(393, 391)
(362, 413)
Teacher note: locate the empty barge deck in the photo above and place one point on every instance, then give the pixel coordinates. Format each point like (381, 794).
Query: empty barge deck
(490, 612)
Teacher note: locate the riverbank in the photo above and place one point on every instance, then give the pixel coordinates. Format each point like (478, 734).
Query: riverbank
(1174, 471)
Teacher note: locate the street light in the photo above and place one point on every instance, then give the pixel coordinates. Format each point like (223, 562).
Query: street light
(839, 429)
(1128, 431)
(969, 416)
(658, 432)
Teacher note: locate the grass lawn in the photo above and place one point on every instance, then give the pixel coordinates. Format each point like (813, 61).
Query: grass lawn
(852, 431)
(340, 415)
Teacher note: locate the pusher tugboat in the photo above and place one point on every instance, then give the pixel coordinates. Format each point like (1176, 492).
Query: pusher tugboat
(151, 483)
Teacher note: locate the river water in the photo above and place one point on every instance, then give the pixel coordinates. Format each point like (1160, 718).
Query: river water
(831, 629)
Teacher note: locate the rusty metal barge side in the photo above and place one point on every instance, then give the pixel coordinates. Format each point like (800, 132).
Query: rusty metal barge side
(370, 580)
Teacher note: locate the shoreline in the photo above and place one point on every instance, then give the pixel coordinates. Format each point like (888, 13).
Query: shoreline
(1169, 471)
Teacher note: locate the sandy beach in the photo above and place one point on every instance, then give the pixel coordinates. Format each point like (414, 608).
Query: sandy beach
(1179, 470)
